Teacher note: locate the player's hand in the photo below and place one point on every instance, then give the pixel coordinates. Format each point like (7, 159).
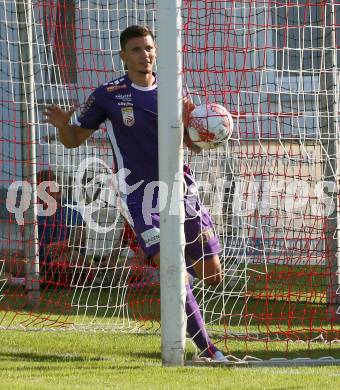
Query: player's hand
(191, 145)
(188, 107)
(57, 117)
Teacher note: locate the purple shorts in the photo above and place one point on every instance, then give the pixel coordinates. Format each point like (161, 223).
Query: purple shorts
(200, 236)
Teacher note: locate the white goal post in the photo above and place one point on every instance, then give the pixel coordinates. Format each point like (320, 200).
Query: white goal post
(170, 133)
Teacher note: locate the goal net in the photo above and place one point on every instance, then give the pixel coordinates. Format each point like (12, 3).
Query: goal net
(272, 190)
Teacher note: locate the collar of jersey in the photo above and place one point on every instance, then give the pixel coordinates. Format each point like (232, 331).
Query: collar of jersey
(140, 88)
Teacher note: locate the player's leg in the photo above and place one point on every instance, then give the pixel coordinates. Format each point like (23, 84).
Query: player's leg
(202, 244)
(197, 330)
(149, 239)
(195, 323)
(202, 260)
(208, 269)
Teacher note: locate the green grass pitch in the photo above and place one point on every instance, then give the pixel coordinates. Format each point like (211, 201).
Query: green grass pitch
(103, 360)
(65, 359)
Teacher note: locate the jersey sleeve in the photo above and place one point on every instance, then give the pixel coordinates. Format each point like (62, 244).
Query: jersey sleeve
(92, 115)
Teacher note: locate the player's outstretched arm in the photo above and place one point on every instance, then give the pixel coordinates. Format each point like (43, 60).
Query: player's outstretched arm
(71, 136)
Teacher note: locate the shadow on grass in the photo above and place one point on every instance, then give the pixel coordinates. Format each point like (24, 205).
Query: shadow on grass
(146, 355)
(51, 358)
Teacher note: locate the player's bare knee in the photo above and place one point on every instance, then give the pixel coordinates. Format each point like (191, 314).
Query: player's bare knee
(213, 280)
(214, 275)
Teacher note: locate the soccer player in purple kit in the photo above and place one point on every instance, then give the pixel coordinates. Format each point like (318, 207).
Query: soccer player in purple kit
(130, 103)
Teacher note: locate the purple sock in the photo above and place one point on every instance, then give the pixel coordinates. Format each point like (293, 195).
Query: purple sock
(195, 324)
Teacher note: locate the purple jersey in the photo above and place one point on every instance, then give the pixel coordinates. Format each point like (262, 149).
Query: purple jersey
(132, 110)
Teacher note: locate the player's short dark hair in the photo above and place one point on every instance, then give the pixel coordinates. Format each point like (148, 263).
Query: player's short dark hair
(134, 31)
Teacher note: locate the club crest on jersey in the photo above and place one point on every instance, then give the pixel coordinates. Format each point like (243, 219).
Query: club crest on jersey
(128, 116)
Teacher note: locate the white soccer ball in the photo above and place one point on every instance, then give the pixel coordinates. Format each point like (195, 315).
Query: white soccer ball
(210, 126)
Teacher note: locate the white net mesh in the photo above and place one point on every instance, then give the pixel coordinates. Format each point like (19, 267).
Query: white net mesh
(271, 191)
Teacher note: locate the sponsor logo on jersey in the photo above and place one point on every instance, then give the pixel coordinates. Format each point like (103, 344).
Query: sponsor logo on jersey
(151, 237)
(125, 104)
(126, 97)
(128, 116)
(112, 88)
